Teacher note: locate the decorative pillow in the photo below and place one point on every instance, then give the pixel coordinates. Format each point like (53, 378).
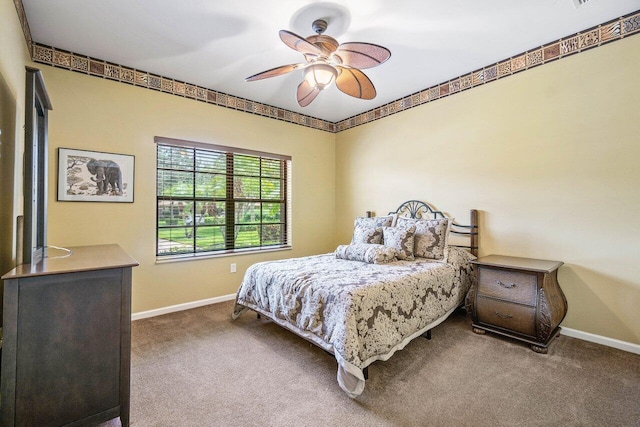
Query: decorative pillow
(363, 234)
(366, 252)
(373, 222)
(400, 239)
(431, 236)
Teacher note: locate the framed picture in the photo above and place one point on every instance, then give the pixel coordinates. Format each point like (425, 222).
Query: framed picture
(93, 176)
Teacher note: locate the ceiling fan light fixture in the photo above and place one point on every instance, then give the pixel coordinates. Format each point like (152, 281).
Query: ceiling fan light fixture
(327, 61)
(320, 75)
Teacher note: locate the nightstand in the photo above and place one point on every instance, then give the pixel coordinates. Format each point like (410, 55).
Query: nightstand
(517, 297)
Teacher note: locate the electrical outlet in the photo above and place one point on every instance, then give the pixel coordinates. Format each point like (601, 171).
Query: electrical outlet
(233, 267)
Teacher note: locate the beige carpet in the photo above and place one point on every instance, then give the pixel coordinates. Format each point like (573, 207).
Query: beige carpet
(200, 368)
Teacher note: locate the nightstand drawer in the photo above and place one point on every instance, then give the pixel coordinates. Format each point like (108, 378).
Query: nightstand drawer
(514, 317)
(508, 285)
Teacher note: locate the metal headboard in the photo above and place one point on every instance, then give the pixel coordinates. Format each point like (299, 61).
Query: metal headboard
(420, 210)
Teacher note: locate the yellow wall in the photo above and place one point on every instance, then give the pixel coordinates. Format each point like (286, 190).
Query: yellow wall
(95, 114)
(550, 157)
(13, 58)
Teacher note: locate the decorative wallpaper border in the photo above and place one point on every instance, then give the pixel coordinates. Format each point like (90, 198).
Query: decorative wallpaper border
(599, 35)
(590, 38)
(22, 17)
(100, 68)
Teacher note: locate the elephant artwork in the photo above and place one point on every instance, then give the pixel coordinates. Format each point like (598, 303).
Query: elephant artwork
(108, 176)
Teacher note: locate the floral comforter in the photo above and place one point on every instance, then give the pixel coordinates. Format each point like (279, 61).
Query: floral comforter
(360, 312)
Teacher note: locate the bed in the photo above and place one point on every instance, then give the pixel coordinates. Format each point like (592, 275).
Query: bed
(370, 298)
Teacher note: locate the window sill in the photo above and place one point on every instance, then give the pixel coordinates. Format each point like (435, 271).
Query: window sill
(208, 255)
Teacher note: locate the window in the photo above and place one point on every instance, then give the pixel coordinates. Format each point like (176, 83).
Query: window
(215, 199)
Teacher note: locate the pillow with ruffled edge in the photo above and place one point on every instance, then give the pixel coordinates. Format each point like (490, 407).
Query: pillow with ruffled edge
(400, 239)
(366, 252)
(363, 234)
(431, 236)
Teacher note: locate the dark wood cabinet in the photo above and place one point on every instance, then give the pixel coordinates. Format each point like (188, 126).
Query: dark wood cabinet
(67, 339)
(517, 297)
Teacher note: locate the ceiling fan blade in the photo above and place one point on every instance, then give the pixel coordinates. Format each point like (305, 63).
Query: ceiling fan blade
(355, 83)
(306, 93)
(362, 55)
(298, 43)
(278, 71)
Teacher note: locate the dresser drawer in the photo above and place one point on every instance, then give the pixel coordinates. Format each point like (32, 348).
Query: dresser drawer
(508, 285)
(503, 314)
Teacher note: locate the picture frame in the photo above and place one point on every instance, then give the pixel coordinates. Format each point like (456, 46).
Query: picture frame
(95, 176)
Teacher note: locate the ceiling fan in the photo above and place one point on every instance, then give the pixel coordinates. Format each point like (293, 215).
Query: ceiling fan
(326, 61)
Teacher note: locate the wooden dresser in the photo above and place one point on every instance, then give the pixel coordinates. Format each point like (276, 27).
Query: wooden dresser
(517, 297)
(67, 339)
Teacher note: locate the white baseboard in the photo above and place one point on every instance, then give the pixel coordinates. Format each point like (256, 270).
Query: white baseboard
(599, 339)
(180, 307)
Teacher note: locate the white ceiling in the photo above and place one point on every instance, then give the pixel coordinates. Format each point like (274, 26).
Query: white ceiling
(217, 44)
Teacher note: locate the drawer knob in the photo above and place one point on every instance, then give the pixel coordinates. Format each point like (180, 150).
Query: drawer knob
(506, 285)
(503, 316)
